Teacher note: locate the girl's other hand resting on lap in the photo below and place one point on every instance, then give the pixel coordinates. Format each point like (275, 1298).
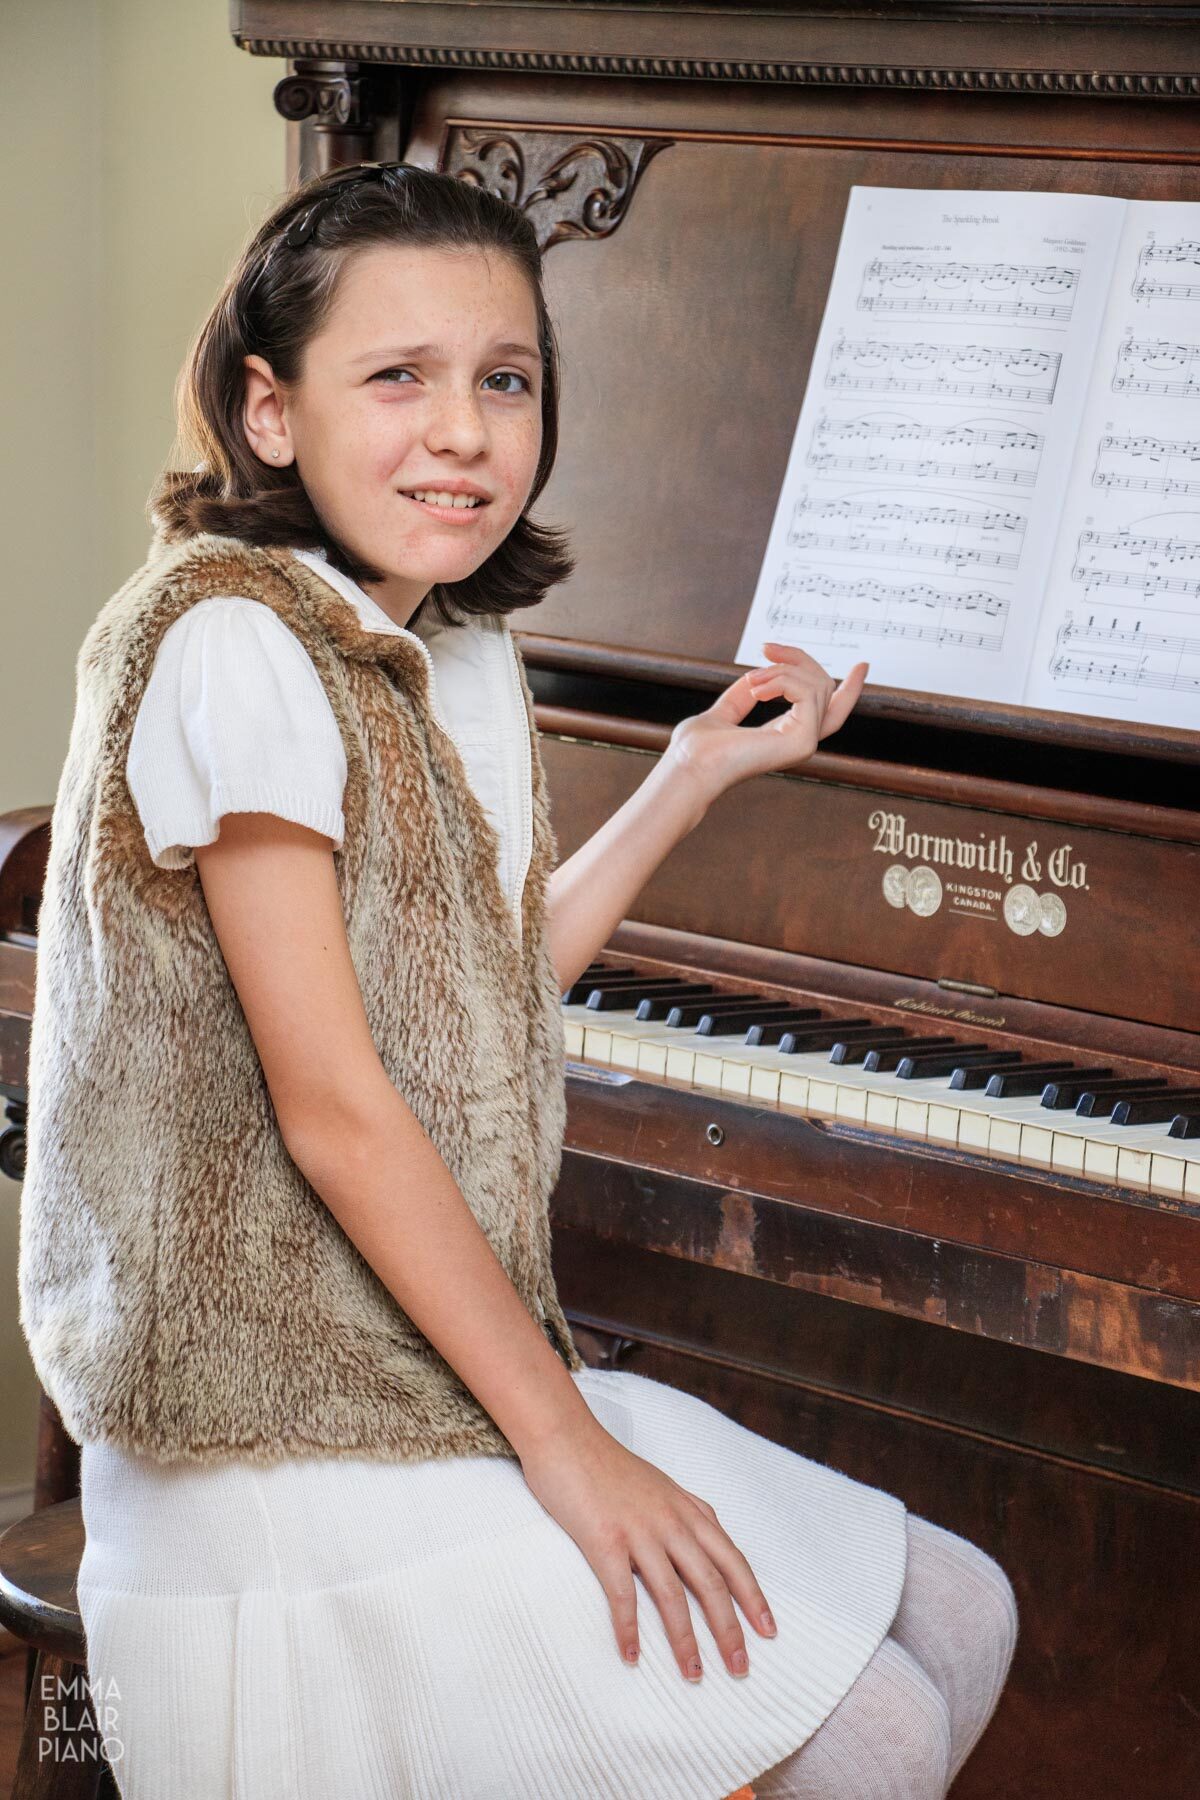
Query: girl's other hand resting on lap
(625, 1515)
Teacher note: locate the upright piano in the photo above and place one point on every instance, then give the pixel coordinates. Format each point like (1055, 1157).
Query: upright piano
(872, 1239)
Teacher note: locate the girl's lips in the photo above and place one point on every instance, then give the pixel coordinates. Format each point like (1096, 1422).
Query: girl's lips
(453, 515)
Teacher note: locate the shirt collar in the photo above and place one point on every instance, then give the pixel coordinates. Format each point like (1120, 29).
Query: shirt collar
(371, 615)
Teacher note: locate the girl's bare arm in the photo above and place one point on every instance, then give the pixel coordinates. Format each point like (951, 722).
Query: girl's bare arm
(592, 891)
(272, 895)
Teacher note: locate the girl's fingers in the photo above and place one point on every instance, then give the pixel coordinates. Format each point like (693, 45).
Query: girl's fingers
(834, 702)
(844, 699)
(739, 1576)
(711, 1589)
(616, 1578)
(670, 1596)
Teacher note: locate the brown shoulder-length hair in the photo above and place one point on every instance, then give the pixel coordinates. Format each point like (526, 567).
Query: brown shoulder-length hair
(275, 300)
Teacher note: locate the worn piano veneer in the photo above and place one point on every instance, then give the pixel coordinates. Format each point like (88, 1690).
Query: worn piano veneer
(997, 1318)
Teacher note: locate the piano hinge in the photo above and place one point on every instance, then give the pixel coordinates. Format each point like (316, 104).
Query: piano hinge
(968, 987)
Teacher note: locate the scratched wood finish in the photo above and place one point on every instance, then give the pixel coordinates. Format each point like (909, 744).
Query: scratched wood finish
(887, 1266)
(772, 1162)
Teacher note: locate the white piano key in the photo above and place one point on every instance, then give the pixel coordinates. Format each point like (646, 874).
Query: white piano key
(1016, 1130)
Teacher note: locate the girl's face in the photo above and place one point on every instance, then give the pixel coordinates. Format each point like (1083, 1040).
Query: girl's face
(426, 376)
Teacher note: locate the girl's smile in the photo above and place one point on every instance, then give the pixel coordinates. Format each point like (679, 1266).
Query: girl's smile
(462, 512)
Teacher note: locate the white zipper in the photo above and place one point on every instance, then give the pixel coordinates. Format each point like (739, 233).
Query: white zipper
(526, 807)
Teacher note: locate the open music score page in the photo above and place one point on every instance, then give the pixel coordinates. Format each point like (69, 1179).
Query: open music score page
(987, 493)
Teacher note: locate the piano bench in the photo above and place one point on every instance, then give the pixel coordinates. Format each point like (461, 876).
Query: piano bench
(60, 1757)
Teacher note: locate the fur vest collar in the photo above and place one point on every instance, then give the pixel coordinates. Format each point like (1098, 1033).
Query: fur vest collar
(184, 1291)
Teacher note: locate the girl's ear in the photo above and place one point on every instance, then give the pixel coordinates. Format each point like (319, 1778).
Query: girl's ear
(263, 417)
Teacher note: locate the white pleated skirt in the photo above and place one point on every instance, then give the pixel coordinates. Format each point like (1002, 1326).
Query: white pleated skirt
(325, 1629)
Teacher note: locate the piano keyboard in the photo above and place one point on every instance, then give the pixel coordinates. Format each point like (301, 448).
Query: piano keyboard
(1076, 1119)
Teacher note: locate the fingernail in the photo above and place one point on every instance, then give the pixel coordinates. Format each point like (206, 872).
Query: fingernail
(739, 1662)
(631, 1652)
(767, 1623)
(693, 1669)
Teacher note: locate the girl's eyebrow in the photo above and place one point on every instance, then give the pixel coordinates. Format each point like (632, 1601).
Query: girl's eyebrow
(438, 352)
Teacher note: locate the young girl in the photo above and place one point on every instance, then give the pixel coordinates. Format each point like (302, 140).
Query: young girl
(360, 1521)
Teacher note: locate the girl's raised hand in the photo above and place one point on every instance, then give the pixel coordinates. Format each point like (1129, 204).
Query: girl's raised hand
(625, 1514)
(716, 748)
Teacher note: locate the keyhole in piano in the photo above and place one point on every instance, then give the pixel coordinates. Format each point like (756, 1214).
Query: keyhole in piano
(715, 1134)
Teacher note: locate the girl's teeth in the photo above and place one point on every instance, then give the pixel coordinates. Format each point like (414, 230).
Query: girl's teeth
(462, 501)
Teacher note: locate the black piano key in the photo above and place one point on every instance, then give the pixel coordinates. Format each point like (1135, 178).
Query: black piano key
(769, 1031)
(1060, 1094)
(1097, 1102)
(657, 1006)
(853, 1049)
(969, 1076)
(1154, 1109)
(1185, 1125)
(727, 1024)
(797, 1039)
(1031, 1078)
(690, 1012)
(623, 996)
(929, 1063)
(579, 990)
(886, 1056)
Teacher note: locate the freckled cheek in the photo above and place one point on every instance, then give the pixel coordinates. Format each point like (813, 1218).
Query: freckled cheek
(516, 461)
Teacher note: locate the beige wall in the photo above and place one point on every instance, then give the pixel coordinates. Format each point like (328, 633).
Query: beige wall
(140, 147)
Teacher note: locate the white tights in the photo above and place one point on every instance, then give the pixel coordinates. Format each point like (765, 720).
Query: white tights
(907, 1725)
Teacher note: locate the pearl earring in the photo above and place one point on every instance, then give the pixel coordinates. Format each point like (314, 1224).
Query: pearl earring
(275, 454)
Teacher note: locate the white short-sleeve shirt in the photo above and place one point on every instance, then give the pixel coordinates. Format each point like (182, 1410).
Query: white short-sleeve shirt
(234, 719)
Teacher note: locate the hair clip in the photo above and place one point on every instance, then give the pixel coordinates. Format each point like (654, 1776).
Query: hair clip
(303, 229)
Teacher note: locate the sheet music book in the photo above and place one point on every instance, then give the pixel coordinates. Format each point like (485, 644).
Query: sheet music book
(994, 486)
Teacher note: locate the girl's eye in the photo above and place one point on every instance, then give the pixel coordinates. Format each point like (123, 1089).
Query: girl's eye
(511, 375)
(501, 374)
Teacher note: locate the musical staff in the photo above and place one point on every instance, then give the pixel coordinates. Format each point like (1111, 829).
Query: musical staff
(1076, 672)
(909, 288)
(1132, 636)
(1182, 253)
(1157, 366)
(865, 445)
(960, 537)
(1121, 463)
(944, 371)
(898, 613)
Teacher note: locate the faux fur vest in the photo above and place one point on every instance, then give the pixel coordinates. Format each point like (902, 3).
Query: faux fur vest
(184, 1291)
